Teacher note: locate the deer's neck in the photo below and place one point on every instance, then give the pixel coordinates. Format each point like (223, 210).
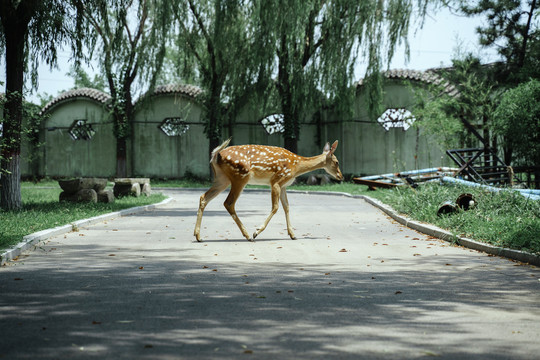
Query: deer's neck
(309, 164)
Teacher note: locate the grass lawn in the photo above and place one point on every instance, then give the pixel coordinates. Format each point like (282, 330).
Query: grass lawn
(42, 210)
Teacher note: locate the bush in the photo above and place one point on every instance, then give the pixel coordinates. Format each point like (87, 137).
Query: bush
(517, 120)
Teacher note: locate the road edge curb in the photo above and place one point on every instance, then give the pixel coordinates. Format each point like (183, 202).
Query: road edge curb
(31, 240)
(439, 233)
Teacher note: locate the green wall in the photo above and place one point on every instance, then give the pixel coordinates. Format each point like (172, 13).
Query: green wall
(365, 147)
(62, 156)
(156, 154)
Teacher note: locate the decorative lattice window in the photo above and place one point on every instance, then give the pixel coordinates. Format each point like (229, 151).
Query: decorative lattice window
(273, 123)
(398, 118)
(173, 126)
(80, 130)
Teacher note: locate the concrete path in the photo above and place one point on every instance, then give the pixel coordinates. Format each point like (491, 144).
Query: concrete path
(354, 285)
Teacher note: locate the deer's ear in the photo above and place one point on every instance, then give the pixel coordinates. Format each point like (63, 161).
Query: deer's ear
(326, 148)
(331, 150)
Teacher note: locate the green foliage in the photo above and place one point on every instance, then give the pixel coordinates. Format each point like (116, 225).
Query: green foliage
(219, 47)
(318, 44)
(443, 113)
(129, 38)
(517, 120)
(436, 119)
(83, 80)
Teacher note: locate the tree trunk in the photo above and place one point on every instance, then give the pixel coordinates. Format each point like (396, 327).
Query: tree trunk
(291, 144)
(123, 125)
(291, 123)
(10, 182)
(213, 126)
(290, 119)
(121, 157)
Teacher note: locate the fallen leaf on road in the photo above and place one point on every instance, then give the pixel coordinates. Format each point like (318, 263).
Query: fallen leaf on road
(398, 292)
(343, 250)
(141, 267)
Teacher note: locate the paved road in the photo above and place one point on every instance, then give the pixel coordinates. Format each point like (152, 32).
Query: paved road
(354, 285)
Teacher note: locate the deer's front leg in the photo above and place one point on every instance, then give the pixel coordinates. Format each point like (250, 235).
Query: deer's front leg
(285, 204)
(276, 190)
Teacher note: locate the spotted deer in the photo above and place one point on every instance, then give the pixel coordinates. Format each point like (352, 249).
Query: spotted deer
(240, 165)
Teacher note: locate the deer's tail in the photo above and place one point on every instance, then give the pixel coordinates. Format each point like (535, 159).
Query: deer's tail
(216, 151)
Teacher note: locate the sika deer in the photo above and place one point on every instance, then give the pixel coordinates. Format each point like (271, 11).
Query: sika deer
(240, 165)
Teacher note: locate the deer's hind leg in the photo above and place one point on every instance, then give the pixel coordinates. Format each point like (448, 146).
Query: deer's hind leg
(221, 182)
(234, 194)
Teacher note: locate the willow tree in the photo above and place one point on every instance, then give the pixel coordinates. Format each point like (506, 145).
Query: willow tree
(128, 38)
(319, 43)
(222, 48)
(32, 30)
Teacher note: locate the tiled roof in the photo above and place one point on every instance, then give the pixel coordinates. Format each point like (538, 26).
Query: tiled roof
(93, 94)
(189, 90)
(428, 77)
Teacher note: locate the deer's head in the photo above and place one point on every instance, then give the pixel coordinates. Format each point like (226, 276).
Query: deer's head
(332, 163)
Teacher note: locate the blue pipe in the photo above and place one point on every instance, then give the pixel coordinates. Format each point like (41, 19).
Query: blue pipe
(449, 179)
(410, 172)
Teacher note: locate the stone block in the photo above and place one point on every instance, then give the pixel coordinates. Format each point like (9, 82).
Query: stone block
(72, 186)
(83, 195)
(105, 196)
(146, 190)
(131, 186)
